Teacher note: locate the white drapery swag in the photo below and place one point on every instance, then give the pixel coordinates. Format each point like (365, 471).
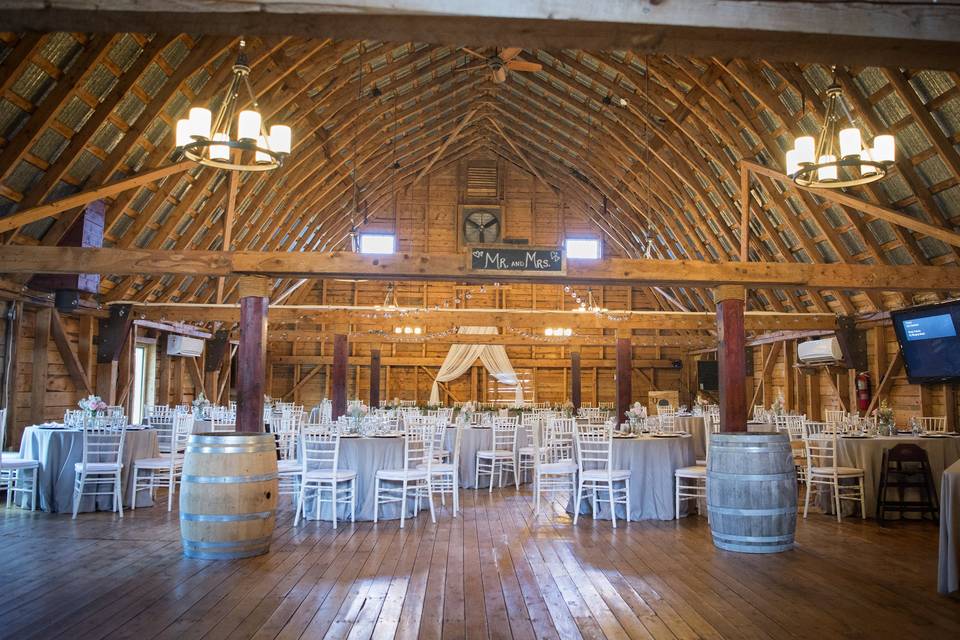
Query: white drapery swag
(462, 356)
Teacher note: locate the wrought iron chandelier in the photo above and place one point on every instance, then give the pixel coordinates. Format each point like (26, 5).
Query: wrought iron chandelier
(232, 140)
(838, 158)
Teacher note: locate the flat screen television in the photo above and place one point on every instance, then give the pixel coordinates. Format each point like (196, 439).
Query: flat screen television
(929, 338)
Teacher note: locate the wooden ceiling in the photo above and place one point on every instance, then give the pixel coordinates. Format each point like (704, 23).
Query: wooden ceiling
(647, 145)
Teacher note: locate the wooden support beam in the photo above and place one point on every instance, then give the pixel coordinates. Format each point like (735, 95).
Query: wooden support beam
(914, 36)
(303, 381)
(839, 197)
(456, 266)
(15, 337)
(70, 359)
(38, 383)
(111, 337)
(174, 327)
(252, 354)
(443, 147)
(624, 378)
(772, 353)
(575, 379)
(894, 368)
(950, 406)
(303, 334)
(163, 371)
(339, 376)
(232, 186)
(374, 378)
(731, 358)
(21, 218)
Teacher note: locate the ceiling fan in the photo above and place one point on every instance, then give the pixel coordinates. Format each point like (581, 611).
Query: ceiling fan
(500, 62)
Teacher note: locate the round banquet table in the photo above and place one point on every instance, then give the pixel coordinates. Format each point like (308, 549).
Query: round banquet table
(694, 425)
(58, 449)
(475, 439)
(366, 456)
(867, 454)
(652, 462)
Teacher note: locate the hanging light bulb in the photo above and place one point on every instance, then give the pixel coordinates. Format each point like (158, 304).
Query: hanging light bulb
(220, 151)
(200, 122)
(884, 149)
(248, 125)
(548, 332)
(183, 132)
(850, 146)
(398, 330)
(417, 330)
(826, 169)
(280, 138)
(262, 157)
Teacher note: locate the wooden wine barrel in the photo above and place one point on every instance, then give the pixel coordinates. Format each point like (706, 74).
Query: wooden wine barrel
(228, 496)
(752, 492)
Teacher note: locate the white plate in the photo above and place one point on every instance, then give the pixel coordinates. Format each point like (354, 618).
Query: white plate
(667, 435)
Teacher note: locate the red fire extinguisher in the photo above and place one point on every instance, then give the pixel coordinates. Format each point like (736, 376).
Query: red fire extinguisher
(863, 391)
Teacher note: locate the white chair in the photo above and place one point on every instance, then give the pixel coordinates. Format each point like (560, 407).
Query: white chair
(793, 427)
(223, 419)
(503, 454)
(823, 471)
(531, 433)
(162, 421)
(595, 456)
(445, 476)
(554, 469)
(759, 413)
(835, 416)
(320, 471)
(937, 424)
(102, 463)
(415, 479)
(164, 471)
(17, 474)
(691, 482)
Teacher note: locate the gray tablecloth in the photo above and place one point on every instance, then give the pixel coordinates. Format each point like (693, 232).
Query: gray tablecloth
(652, 463)
(366, 456)
(694, 425)
(58, 450)
(867, 454)
(949, 574)
(474, 439)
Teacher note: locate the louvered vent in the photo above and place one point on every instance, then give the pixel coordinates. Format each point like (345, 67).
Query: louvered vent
(483, 183)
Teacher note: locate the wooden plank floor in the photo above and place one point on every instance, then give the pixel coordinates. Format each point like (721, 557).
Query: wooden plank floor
(494, 572)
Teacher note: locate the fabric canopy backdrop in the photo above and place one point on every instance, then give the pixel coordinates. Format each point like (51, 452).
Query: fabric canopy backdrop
(462, 356)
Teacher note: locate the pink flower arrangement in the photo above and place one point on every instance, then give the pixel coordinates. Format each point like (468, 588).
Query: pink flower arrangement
(92, 403)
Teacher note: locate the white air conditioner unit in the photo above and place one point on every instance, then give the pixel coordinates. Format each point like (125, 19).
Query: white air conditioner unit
(822, 351)
(184, 346)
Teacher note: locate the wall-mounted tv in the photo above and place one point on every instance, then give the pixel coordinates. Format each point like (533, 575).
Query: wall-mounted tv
(929, 338)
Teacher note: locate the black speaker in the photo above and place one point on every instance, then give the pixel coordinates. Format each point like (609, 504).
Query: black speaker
(708, 378)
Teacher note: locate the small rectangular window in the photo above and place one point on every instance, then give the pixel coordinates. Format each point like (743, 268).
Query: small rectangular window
(583, 248)
(376, 243)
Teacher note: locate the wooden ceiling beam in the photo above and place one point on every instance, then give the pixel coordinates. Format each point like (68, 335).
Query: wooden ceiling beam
(18, 259)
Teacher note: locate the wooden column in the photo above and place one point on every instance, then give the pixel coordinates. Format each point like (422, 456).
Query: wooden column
(338, 391)
(38, 385)
(731, 357)
(374, 378)
(950, 405)
(624, 377)
(216, 349)
(163, 371)
(252, 354)
(575, 395)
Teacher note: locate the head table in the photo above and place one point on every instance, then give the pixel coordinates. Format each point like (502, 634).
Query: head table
(59, 448)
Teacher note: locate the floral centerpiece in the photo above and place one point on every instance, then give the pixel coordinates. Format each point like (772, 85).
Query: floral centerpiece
(92, 404)
(200, 404)
(777, 406)
(358, 410)
(636, 413)
(568, 409)
(885, 418)
(467, 411)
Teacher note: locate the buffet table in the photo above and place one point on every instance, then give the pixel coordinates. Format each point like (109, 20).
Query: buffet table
(58, 449)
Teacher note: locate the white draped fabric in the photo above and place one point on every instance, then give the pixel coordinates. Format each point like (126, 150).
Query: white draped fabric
(462, 356)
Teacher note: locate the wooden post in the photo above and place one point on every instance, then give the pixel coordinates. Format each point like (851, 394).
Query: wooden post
(624, 377)
(731, 357)
(163, 371)
(339, 375)
(950, 403)
(575, 391)
(38, 386)
(216, 349)
(254, 295)
(374, 378)
(15, 329)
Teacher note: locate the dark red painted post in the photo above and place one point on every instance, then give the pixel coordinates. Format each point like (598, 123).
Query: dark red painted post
(624, 377)
(374, 378)
(252, 353)
(731, 357)
(575, 394)
(338, 375)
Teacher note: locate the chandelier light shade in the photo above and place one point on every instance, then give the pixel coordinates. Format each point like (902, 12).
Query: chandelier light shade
(838, 158)
(236, 138)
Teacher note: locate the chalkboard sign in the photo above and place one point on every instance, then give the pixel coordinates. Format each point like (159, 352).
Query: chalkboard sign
(517, 260)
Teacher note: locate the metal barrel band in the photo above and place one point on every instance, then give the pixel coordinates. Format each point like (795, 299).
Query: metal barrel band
(775, 449)
(720, 475)
(771, 538)
(746, 548)
(729, 511)
(229, 517)
(209, 437)
(266, 477)
(262, 448)
(204, 544)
